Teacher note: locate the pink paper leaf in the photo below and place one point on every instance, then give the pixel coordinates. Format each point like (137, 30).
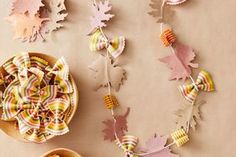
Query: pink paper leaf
(26, 6)
(100, 14)
(121, 127)
(158, 143)
(180, 63)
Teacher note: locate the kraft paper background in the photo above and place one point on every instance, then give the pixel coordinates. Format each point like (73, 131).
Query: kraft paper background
(208, 26)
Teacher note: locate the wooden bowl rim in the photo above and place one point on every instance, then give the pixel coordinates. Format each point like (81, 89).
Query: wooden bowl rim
(51, 152)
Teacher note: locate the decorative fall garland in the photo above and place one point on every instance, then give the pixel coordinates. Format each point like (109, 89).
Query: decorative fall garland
(180, 63)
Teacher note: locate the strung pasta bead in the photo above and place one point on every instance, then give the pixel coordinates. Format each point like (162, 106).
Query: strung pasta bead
(180, 137)
(128, 143)
(110, 101)
(168, 37)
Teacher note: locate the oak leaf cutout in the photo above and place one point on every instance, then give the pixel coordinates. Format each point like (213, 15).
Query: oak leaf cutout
(157, 143)
(55, 10)
(26, 6)
(189, 115)
(100, 14)
(168, 13)
(116, 74)
(120, 127)
(180, 62)
(26, 27)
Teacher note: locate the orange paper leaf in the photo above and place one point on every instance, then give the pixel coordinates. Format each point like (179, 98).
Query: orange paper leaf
(26, 6)
(26, 27)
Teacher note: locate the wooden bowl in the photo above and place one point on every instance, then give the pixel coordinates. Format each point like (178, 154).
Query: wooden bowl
(62, 152)
(9, 126)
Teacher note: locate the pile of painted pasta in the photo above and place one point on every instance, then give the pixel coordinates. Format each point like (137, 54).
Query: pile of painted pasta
(36, 95)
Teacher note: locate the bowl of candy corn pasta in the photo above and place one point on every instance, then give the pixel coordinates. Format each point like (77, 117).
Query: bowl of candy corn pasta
(61, 152)
(38, 97)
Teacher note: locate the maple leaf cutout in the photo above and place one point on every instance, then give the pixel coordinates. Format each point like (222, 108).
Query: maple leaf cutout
(100, 14)
(168, 13)
(26, 27)
(116, 73)
(189, 114)
(26, 6)
(180, 62)
(157, 143)
(121, 127)
(55, 11)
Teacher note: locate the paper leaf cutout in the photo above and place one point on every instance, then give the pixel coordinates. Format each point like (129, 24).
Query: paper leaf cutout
(26, 6)
(168, 13)
(158, 143)
(100, 14)
(121, 127)
(189, 114)
(116, 73)
(33, 19)
(180, 62)
(26, 27)
(56, 13)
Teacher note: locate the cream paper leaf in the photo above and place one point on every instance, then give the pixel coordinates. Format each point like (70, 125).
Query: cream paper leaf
(189, 114)
(116, 74)
(156, 12)
(56, 12)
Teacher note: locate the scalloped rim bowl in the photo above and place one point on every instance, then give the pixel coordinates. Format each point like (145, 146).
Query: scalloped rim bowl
(62, 152)
(9, 127)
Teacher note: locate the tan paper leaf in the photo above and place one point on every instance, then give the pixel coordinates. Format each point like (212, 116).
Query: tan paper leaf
(26, 27)
(156, 13)
(116, 73)
(26, 6)
(56, 13)
(189, 114)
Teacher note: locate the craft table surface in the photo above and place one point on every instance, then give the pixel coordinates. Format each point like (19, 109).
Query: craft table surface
(208, 26)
